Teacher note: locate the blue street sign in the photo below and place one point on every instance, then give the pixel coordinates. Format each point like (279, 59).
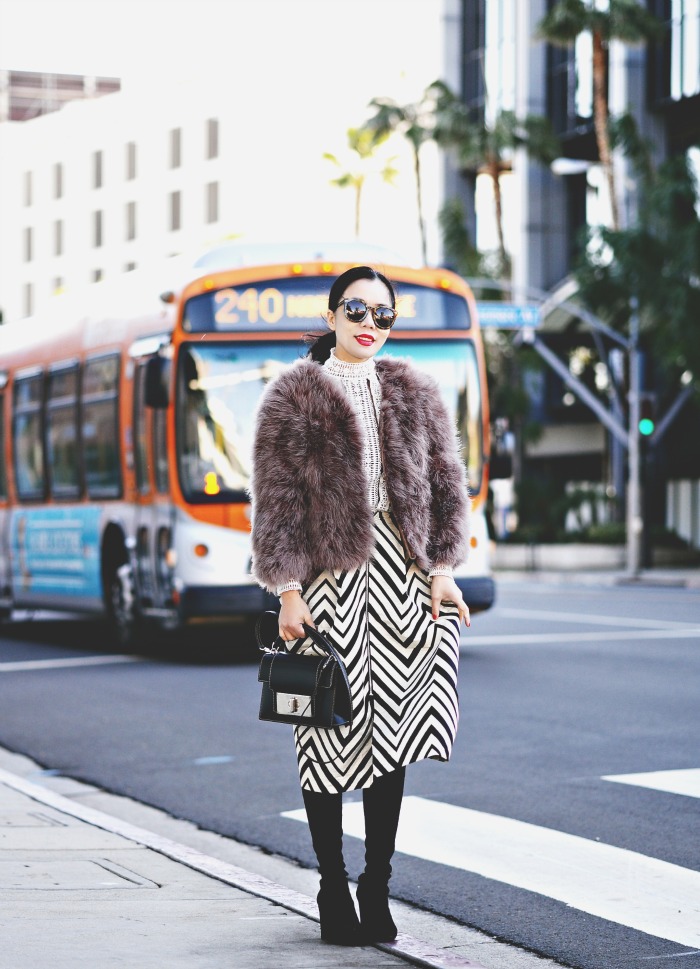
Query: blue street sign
(508, 316)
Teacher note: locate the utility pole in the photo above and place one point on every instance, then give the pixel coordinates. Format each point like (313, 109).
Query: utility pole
(634, 497)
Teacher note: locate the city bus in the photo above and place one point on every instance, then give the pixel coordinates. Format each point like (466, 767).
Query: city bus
(126, 431)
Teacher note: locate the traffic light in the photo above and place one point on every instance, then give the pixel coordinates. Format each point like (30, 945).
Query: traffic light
(647, 414)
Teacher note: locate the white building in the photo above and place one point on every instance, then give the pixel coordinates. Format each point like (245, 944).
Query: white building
(108, 185)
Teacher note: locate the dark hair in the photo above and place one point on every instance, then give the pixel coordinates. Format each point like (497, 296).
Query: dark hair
(320, 344)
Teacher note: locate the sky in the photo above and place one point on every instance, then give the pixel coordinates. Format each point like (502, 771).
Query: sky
(351, 40)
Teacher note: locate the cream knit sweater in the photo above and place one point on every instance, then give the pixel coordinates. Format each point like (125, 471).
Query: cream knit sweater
(361, 384)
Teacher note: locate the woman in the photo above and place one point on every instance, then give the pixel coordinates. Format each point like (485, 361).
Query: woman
(360, 512)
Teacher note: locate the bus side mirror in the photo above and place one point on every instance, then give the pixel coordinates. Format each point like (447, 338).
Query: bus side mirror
(157, 389)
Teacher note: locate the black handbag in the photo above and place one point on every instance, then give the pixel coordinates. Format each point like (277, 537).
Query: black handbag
(307, 691)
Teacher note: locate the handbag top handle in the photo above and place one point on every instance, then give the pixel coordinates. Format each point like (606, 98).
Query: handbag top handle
(278, 643)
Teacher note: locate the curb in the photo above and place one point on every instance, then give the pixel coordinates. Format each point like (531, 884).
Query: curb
(412, 950)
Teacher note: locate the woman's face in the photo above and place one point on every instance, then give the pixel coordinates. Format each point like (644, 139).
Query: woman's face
(356, 342)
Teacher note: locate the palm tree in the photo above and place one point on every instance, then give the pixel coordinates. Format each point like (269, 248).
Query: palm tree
(486, 146)
(624, 20)
(413, 121)
(364, 144)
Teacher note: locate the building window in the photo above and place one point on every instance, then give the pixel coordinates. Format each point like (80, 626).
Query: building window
(97, 169)
(100, 422)
(58, 237)
(97, 229)
(58, 180)
(583, 66)
(131, 220)
(176, 147)
(28, 244)
(97, 275)
(685, 48)
(28, 188)
(175, 215)
(473, 43)
(499, 56)
(212, 202)
(28, 437)
(212, 138)
(57, 284)
(129, 267)
(131, 160)
(28, 299)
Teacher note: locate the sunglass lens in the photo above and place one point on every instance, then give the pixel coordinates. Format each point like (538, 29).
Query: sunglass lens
(384, 317)
(355, 310)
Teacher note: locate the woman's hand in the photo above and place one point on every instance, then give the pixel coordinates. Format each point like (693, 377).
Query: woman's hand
(293, 613)
(443, 588)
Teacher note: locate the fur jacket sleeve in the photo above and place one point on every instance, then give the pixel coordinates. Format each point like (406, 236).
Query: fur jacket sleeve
(309, 492)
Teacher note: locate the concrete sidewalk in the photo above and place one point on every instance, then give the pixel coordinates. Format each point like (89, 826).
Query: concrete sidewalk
(670, 578)
(81, 887)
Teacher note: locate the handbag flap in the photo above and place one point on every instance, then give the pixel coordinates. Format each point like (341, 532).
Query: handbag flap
(293, 673)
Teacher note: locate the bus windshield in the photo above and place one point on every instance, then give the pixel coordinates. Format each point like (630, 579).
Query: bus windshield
(219, 386)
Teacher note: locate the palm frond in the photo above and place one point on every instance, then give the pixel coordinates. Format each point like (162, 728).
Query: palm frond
(564, 22)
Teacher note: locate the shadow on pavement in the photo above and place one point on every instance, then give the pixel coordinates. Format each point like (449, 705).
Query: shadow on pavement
(230, 644)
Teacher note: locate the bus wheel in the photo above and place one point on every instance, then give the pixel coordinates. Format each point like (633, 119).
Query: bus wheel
(121, 604)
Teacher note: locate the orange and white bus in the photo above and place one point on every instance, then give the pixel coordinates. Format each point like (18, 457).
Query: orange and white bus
(126, 432)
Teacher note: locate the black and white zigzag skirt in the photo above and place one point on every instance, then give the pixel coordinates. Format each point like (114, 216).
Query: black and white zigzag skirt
(401, 663)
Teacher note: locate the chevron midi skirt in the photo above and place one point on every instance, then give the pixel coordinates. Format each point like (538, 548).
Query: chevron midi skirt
(401, 664)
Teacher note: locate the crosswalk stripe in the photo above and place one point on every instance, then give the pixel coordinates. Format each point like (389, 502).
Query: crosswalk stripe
(589, 619)
(616, 884)
(54, 664)
(535, 639)
(671, 781)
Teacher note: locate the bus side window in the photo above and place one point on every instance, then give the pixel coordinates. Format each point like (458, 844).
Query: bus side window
(3, 469)
(28, 437)
(100, 412)
(62, 433)
(143, 484)
(160, 449)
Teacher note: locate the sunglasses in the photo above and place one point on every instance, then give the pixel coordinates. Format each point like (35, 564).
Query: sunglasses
(356, 310)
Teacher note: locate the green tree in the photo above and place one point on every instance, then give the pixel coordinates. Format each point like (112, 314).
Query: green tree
(487, 146)
(657, 260)
(624, 20)
(363, 143)
(456, 244)
(414, 122)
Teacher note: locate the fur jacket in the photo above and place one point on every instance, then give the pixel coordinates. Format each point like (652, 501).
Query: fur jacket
(309, 493)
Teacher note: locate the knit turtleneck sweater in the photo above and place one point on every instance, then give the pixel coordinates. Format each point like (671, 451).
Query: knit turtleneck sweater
(361, 384)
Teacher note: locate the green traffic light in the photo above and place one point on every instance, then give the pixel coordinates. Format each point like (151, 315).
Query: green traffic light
(646, 426)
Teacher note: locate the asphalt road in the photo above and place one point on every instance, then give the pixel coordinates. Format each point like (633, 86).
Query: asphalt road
(560, 688)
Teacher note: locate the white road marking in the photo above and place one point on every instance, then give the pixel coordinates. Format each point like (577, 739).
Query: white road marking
(631, 889)
(535, 639)
(54, 664)
(551, 615)
(671, 781)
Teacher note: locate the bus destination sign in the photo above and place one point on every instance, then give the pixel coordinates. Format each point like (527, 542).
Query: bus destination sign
(300, 303)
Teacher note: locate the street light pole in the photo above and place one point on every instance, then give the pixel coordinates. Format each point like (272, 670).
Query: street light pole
(634, 504)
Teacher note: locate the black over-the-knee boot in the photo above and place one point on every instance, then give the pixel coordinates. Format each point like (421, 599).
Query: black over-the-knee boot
(339, 922)
(382, 807)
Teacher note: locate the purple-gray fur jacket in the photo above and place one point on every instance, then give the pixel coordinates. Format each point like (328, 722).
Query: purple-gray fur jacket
(310, 508)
